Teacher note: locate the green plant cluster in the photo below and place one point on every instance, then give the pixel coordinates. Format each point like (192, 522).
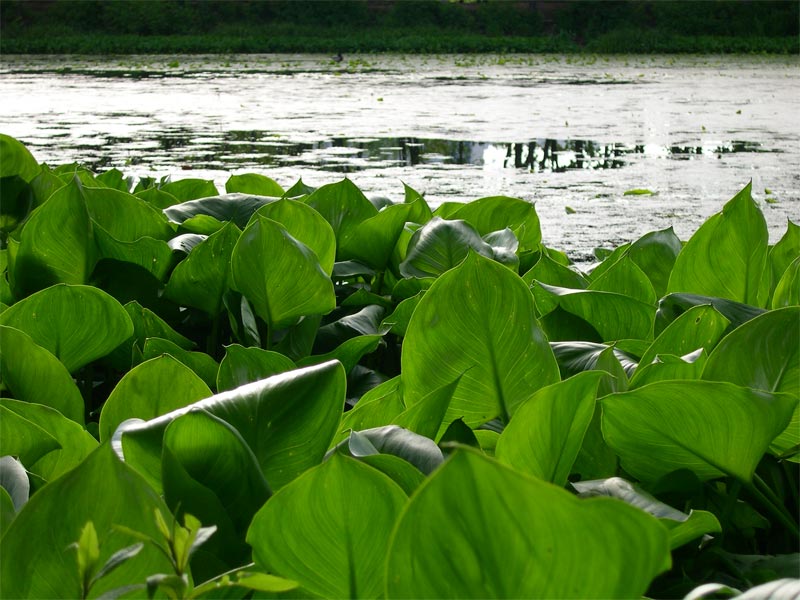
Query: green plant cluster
(214, 26)
(282, 393)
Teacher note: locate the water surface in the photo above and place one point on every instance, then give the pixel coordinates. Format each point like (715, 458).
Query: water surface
(572, 134)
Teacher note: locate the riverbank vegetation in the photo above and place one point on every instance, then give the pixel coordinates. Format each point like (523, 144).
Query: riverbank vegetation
(307, 392)
(172, 26)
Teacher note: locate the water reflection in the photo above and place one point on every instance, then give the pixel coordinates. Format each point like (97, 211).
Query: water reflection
(187, 149)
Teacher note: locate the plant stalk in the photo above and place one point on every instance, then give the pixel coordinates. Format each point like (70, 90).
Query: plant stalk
(776, 508)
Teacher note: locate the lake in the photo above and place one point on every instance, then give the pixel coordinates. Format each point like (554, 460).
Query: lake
(572, 134)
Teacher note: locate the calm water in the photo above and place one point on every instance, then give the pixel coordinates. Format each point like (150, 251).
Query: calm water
(572, 134)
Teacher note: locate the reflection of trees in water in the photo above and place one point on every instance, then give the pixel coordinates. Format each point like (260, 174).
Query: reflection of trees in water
(560, 155)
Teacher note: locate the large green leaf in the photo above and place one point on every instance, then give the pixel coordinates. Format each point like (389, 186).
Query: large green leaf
(202, 278)
(190, 189)
(477, 529)
(76, 323)
(783, 253)
(787, 290)
(55, 245)
(16, 159)
(655, 254)
(342, 205)
(498, 212)
(477, 320)
(305, 225)
(701, 326)
(672, 306)
(727, 255)
(33, 374)
(711, 428)
(124, 216)
(287, 420)
(545, 435)
(682, 527)
(550, 272)
(763, 354)
(21, 437)
(418, 450)
(280, 275)
(625, 278)
(236, 207)
(373, 239)
(253, 183)
(101, 490)
(613, 316)
(199, 362)
(151, 389)
(76, 443)
(439, 246)
(329, 529)
(244, 365)
(209, 472)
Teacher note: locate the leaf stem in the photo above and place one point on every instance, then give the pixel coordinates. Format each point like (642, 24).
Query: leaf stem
(772, 504)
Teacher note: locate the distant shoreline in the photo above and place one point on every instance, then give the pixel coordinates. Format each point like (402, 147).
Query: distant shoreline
(44, 41)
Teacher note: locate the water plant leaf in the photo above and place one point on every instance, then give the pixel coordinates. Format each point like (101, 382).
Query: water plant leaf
(201, 363)
(33, 374)
(75, 442)
(291, 284)
(254, 183)
(153, 388)
(24, 438)
(613, 316)
(78, 324)
(244, 365)
(209, 472)
(787, 290)
(373, 239)
(14, 480)
(16, 159)
(203, 277)
(701, 326)
(305, 225)
(655, 253)
(672, 306)
(682, 527)
(727, 255)
(669, 366)
(342, 205)
(334, 523)
(288, 420)
(498, 212)
(711, 428)
(546, 433)
(238, 208)
(477, 320)
(782, 254)
(551, 272)
(443, 546)
(55, 245)
(92, 491)
(763, 354)
(418, 450)
(190, 189)
(625, 278)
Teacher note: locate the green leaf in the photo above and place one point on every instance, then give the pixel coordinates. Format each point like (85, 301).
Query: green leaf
(88, 549)
(546, 433)
(727, 255)
(78, 324)
(75, 442)
(498, 212)
(668, 366)
(763, 354)
(190, 189)
(238, 208)
(16, 202)
(787, 290)
(683, 528)
(254, 183)
(209, 472)
(342, 205)
(548, 271)
(711, 428)
(55, 245)
(418, 450)
(477, 319)
(655, 254)
(16, 159)
(674, 305)
(426, 416)
(625, 278)
(23, 438)
(701, 326)
(782, 254)
(459, 538)
(349, 352)
(613, 316)
(287, 420)
(203, 277)
(441, 245)
(334, 524)
(305, 225)
(92, 491)
(33, 374)
(125, 217)
(151, 389)
(244, 365)
(290, 284)
(201, 363)
(374, 238)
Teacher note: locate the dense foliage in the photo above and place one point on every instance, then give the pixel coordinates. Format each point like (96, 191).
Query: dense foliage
(134, 26)
(301, 392)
